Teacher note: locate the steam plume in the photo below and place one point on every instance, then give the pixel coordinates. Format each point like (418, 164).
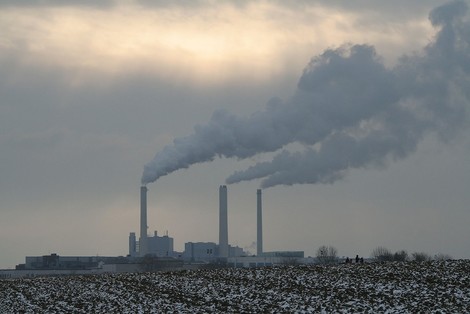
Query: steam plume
(349, 111)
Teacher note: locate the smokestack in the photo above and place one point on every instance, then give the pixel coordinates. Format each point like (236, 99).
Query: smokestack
(223, 222)
(259, 225)
(132, 247)
(143, 221)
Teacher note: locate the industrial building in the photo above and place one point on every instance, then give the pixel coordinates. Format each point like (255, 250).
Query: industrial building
(208, 252)
(156, 246)
(149, 245)
(54, 261)
(55, 265)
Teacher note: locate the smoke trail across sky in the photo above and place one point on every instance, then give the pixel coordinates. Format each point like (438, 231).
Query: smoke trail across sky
(349, 111)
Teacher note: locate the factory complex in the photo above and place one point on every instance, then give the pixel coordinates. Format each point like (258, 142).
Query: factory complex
(156, 253)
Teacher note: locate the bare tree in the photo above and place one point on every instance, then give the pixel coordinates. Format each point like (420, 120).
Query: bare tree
(442, 257)
(421, 257)
(382, 254)
(400, 256)
(327, 254)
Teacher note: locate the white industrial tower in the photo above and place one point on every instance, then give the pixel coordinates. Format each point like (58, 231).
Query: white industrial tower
(223, 222)
(259, 223)
(143, 248)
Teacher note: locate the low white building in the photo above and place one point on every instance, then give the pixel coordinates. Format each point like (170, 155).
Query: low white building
(200, 251)
(207, 252)
(156, 245)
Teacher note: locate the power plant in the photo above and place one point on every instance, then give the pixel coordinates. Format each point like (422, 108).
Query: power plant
(204, 252)
(154, 252)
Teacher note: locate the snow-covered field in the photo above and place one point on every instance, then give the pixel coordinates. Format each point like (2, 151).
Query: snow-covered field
(429, 287)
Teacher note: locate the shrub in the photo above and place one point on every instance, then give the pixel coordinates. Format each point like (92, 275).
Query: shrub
(442, 257)
(382, 254)
(400, 256)
(421, 257)
(327, 254)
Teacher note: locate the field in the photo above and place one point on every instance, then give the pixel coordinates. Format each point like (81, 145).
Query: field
(428, 287)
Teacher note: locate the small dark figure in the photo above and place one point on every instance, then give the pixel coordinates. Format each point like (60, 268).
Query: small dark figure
(347, 260)
(362, 260)
(357, 259)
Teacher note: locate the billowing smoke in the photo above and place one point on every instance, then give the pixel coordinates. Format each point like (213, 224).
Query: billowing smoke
(349, 111)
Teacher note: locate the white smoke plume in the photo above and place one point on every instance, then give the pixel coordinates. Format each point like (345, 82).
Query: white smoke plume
(349, 111)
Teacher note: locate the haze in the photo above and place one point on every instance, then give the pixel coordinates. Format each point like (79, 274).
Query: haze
(90, 92)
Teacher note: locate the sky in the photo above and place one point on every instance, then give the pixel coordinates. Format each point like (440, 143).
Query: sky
(352, 116)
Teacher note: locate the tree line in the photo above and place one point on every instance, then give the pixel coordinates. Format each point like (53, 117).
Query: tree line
(329, 255)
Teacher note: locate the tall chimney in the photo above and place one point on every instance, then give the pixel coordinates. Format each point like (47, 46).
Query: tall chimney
(132, 247)
(259, 224)
(143, 249)
(223, 222)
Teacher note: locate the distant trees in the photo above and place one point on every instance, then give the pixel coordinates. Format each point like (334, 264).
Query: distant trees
(442, 257)
(383, 254)
(327, 254)
(400, 256)
(421, 257)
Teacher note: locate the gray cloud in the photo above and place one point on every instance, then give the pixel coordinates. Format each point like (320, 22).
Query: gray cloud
(57, 3)
(369, 12)
(349, 111)
(190, 3)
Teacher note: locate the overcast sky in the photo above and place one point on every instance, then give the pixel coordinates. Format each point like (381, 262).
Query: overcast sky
(91, 91)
